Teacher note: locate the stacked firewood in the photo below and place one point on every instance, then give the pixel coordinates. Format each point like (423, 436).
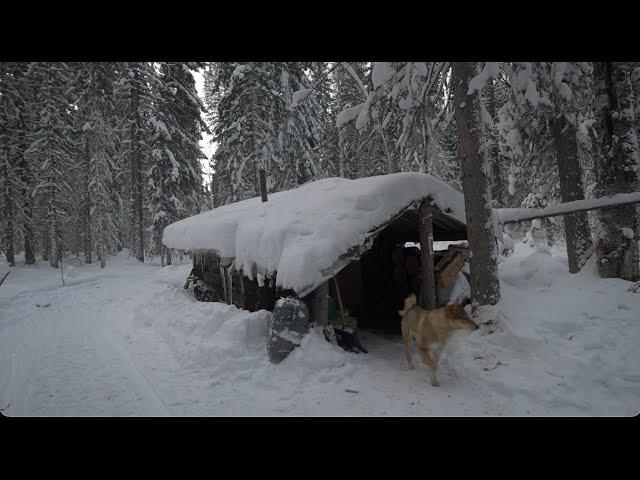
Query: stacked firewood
(449, 263)
(406, 267)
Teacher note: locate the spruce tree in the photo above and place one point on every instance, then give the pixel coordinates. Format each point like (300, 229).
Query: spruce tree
(97, 131)
(134, 88)
(174, 177)
(51, 150)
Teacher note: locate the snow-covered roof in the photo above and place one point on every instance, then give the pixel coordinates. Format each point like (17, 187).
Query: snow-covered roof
(304, 234)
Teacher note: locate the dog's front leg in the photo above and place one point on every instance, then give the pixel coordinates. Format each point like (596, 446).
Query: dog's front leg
(407, 351)
(436, 360)
(424, 353)
(406, 336)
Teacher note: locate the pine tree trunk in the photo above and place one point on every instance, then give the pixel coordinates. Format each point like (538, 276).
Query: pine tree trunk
(46, 243)
(102, 254)
(497, 190)
(635, 88)
(616, 170)
(136, 175)
(139, 212)
(168, 256)
(485, 285)
(29, 253)
(576, 226)
(59, 246)
(27, 221)
(53, 237)
(9, 234)
(132, 217)
(88, 247)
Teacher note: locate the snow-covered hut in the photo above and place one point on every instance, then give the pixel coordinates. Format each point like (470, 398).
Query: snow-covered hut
(334, 228)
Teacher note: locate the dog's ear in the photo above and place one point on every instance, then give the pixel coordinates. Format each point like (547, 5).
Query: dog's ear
(409, 302)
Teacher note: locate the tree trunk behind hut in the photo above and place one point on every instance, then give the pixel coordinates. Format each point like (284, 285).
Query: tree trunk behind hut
(576, 226)
(485, 285)
(616, 169)
(495, 157)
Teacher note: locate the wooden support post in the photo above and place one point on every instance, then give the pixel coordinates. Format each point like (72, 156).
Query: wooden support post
(263, 185)
(321, 313)
(223, 274)
(335, 282)
(427, 274)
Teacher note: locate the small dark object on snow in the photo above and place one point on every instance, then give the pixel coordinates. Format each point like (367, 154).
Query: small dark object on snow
(204, 293)
(190, 279)
(635, 288)
(349, 341)
(351, 391)
(498, 364)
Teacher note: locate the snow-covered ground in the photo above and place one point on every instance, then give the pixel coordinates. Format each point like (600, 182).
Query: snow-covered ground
(129, 340)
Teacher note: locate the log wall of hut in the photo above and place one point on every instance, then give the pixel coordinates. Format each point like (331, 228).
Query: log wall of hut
(206, 266)
(249, 295)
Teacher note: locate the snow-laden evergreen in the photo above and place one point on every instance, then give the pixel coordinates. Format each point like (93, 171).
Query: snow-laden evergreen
(51, 149)
(76, 156)
(259, 126)
(100, 156)
(174, 177)
(97, 132)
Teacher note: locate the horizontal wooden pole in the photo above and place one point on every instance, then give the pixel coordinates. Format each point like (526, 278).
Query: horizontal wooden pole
(514, 215)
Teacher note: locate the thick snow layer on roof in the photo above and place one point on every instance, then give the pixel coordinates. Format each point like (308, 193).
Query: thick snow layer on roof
(301, 233)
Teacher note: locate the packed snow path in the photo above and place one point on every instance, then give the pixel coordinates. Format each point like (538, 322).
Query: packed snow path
(129, 340)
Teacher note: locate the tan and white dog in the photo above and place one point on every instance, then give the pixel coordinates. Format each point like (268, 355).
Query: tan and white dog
(431, 329)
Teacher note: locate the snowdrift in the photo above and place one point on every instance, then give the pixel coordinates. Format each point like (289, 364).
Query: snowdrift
(219, 338)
